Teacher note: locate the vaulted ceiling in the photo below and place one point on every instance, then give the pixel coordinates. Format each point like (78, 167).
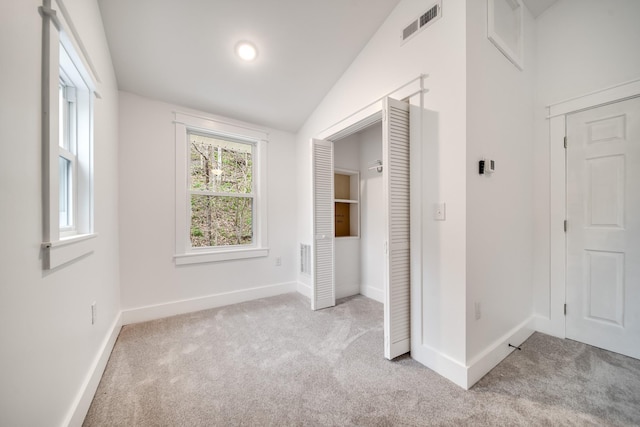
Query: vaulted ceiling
(182, 52)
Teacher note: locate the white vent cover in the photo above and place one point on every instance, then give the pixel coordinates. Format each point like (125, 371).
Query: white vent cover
(421, 22)
(305, 259)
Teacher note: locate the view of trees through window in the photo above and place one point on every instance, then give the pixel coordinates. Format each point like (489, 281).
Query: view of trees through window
(221, 190)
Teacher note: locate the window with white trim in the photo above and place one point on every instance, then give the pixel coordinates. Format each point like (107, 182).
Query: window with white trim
(220, 203)
(221, 191)
(67, 141)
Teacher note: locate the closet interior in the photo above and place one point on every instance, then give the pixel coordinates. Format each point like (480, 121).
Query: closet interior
(359, 214)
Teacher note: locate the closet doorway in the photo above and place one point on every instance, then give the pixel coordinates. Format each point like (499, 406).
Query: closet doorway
(361, 218)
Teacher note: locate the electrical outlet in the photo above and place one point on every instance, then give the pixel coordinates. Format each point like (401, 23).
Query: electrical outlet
(278, 261)
(478, 311)
(94, 313)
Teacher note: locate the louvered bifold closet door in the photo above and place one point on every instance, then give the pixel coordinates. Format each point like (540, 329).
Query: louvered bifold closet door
(395, 149)
(323, 226)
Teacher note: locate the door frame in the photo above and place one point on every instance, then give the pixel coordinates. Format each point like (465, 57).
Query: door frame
(554, 323)
(413, 93)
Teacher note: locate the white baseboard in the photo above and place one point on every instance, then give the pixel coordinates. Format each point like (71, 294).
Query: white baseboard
(467, 376)
(304, 289)
(159, 311)
(83, 400)
(480, 365)
(367, 291)
(440, 363)
(547, 326)
(344, 291)
(373, 293)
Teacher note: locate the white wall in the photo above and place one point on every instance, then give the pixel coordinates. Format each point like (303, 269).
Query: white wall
(48, 343)
(346, 155)
(500, 206)
(359, 263)
(149, 275)
(582, 46)
(372, 215)
(383, 66)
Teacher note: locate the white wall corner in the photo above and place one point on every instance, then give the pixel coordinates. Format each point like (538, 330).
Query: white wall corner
(159, 311)
(373, 293)
(480, 365)
(549, 326)
(442, 364)
(304, 289)
(82, 402)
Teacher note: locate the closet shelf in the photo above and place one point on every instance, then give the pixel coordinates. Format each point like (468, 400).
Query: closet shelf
(346, 203)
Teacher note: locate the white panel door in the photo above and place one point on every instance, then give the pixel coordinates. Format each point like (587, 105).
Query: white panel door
(323, 295)
(395, 154)
(603, 230)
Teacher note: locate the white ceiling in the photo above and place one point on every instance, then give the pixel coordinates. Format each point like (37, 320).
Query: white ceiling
(182, 52)
(536, 7)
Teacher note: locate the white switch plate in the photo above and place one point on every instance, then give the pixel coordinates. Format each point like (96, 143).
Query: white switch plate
(440, 211)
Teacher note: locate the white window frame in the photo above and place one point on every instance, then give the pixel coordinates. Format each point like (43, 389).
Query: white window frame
(224, 129)
(64, 61)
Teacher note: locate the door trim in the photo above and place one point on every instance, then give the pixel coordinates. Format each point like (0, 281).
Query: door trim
(353, 122)
(554, 322)
(597, 98)
(367, 116)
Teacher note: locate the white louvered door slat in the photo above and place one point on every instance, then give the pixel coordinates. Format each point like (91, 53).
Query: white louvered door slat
(323, 223)
(395, 149)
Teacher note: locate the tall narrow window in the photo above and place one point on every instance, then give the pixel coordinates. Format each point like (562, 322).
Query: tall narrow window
(220, 181)
(67, 140)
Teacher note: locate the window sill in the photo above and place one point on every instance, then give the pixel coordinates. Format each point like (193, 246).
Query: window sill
(202, 257)
(67, 249)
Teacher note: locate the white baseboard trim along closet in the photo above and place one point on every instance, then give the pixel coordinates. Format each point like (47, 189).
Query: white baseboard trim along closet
(368, 291)
(466, 376)
(480, 365)
(304, 289)
(373, 293)
(440, 363)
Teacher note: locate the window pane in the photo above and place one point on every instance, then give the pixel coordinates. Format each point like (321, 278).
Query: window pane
(64, 184)
(220, 166)
(221, 221)
(63, 139)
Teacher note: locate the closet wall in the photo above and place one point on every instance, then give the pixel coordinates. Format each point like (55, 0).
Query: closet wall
(371, 215)
(359, 262)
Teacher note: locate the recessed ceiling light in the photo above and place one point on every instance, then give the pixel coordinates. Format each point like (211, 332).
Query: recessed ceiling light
(246, 50)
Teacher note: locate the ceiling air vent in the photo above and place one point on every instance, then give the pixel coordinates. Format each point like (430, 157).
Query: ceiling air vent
(408, 32)
(423, 21)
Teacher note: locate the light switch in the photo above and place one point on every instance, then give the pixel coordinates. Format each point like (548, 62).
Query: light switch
(440, 211)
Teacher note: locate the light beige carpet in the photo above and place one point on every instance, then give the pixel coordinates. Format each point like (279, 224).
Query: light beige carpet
(274, 362)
